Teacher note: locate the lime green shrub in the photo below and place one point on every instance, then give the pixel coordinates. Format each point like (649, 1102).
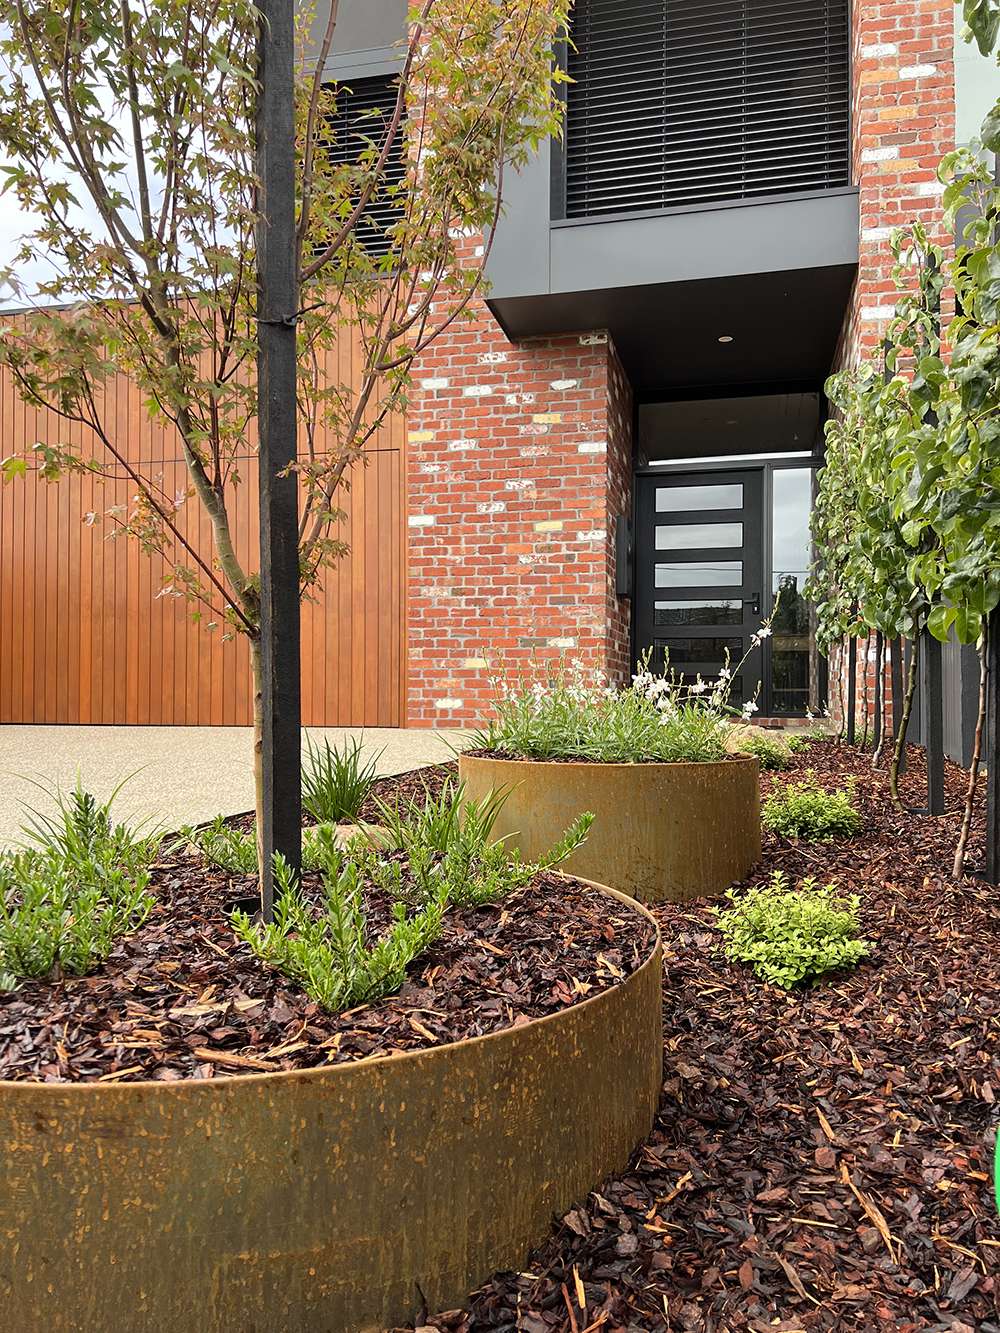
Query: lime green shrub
(805, 810)
(772, 755)
(792, 935)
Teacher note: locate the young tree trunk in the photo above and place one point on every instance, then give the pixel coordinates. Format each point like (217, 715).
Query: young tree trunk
(977, 753)
(880, 700)
(840, 691)
(256, 670)
(865, 696)
(904, 722)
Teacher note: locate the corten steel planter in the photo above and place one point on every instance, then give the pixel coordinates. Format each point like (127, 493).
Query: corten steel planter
(319, 1201)
(661, 833)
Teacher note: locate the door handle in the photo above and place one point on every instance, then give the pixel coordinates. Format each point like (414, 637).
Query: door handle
(754, 603)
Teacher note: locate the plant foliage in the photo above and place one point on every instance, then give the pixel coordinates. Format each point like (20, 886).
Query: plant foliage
(64, 901)
(427, 859)
(804, 810)
(789, 936)
(569, 712)
(772, 755)
(336, 782)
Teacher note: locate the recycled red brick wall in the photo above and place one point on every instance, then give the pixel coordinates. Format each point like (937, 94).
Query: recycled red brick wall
(866, 687)
(903, 120)
(519, 463)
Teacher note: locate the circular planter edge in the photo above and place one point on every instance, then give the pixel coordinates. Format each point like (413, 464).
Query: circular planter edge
(662, 831)
(338, 1198)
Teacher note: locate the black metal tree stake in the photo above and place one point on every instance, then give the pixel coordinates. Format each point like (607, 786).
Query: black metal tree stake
(276, 412)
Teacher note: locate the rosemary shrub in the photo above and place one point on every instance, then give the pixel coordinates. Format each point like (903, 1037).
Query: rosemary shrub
(65, 900)
(427, 860)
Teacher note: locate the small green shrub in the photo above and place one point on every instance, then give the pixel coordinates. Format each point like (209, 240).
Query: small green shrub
(65, 901)
(326, 952)
(792, 935)
(235, 850)
(805, 810)
(336, 783)
(429, 857)
(224, 846)
(771, 754)
(82, 833)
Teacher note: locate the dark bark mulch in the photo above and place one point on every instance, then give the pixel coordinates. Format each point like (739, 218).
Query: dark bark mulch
(821, 1160)
(182, 998)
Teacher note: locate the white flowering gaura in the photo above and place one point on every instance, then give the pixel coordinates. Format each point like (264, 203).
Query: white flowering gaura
(560, 710)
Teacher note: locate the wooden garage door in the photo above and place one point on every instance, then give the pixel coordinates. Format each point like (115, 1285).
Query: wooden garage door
(86, 635)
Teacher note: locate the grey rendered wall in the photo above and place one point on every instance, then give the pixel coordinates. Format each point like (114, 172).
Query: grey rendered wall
(368, 34)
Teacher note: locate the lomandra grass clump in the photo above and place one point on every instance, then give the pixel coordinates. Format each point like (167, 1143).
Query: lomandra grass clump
(804, 810)
(789, 936)
(65, 901)
(425, 860)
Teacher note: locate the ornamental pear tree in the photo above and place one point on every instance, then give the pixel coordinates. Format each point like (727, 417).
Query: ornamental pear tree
(907, 524)
(127, 140)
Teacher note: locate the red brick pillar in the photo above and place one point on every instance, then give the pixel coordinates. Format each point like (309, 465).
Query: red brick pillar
(904, 123)
(519, 463)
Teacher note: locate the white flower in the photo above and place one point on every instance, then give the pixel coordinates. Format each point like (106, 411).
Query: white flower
(611, 692)
(749, 708)
(699, 687)
(657, 688)
(664, 719)
(764, 632)
(724, 673)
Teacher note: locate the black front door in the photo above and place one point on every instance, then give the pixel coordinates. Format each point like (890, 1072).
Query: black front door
(699, 573)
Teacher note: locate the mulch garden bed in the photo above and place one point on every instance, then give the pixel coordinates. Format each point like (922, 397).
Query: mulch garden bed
(416, 785)
(821, 1159)
(182, 998)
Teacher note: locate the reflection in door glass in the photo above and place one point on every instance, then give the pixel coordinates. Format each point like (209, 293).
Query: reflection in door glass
(685, 499)
(705, 654)
(698, 613)
(698, 536)
(793, 645)
(700, 574)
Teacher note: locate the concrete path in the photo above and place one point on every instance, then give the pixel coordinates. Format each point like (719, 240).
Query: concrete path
(183, 775)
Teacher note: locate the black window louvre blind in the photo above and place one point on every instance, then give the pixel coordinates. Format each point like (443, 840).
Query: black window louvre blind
(358, 125)
(676, 102)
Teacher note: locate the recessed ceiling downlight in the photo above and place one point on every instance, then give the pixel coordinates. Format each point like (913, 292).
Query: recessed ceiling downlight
(725, 338)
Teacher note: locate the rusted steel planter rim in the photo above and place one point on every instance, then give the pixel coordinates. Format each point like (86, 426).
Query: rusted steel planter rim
(201, 1087)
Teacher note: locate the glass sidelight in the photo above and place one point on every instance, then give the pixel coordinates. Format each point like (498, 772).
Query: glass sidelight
(793, 647)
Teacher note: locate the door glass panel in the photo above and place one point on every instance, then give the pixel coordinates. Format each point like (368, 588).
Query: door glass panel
(698, 536)
(710, 653)
(684, 499)
(793, 647)
(698, 613)
(700, 574)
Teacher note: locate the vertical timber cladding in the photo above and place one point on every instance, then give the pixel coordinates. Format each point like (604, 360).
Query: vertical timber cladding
(87, 637)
